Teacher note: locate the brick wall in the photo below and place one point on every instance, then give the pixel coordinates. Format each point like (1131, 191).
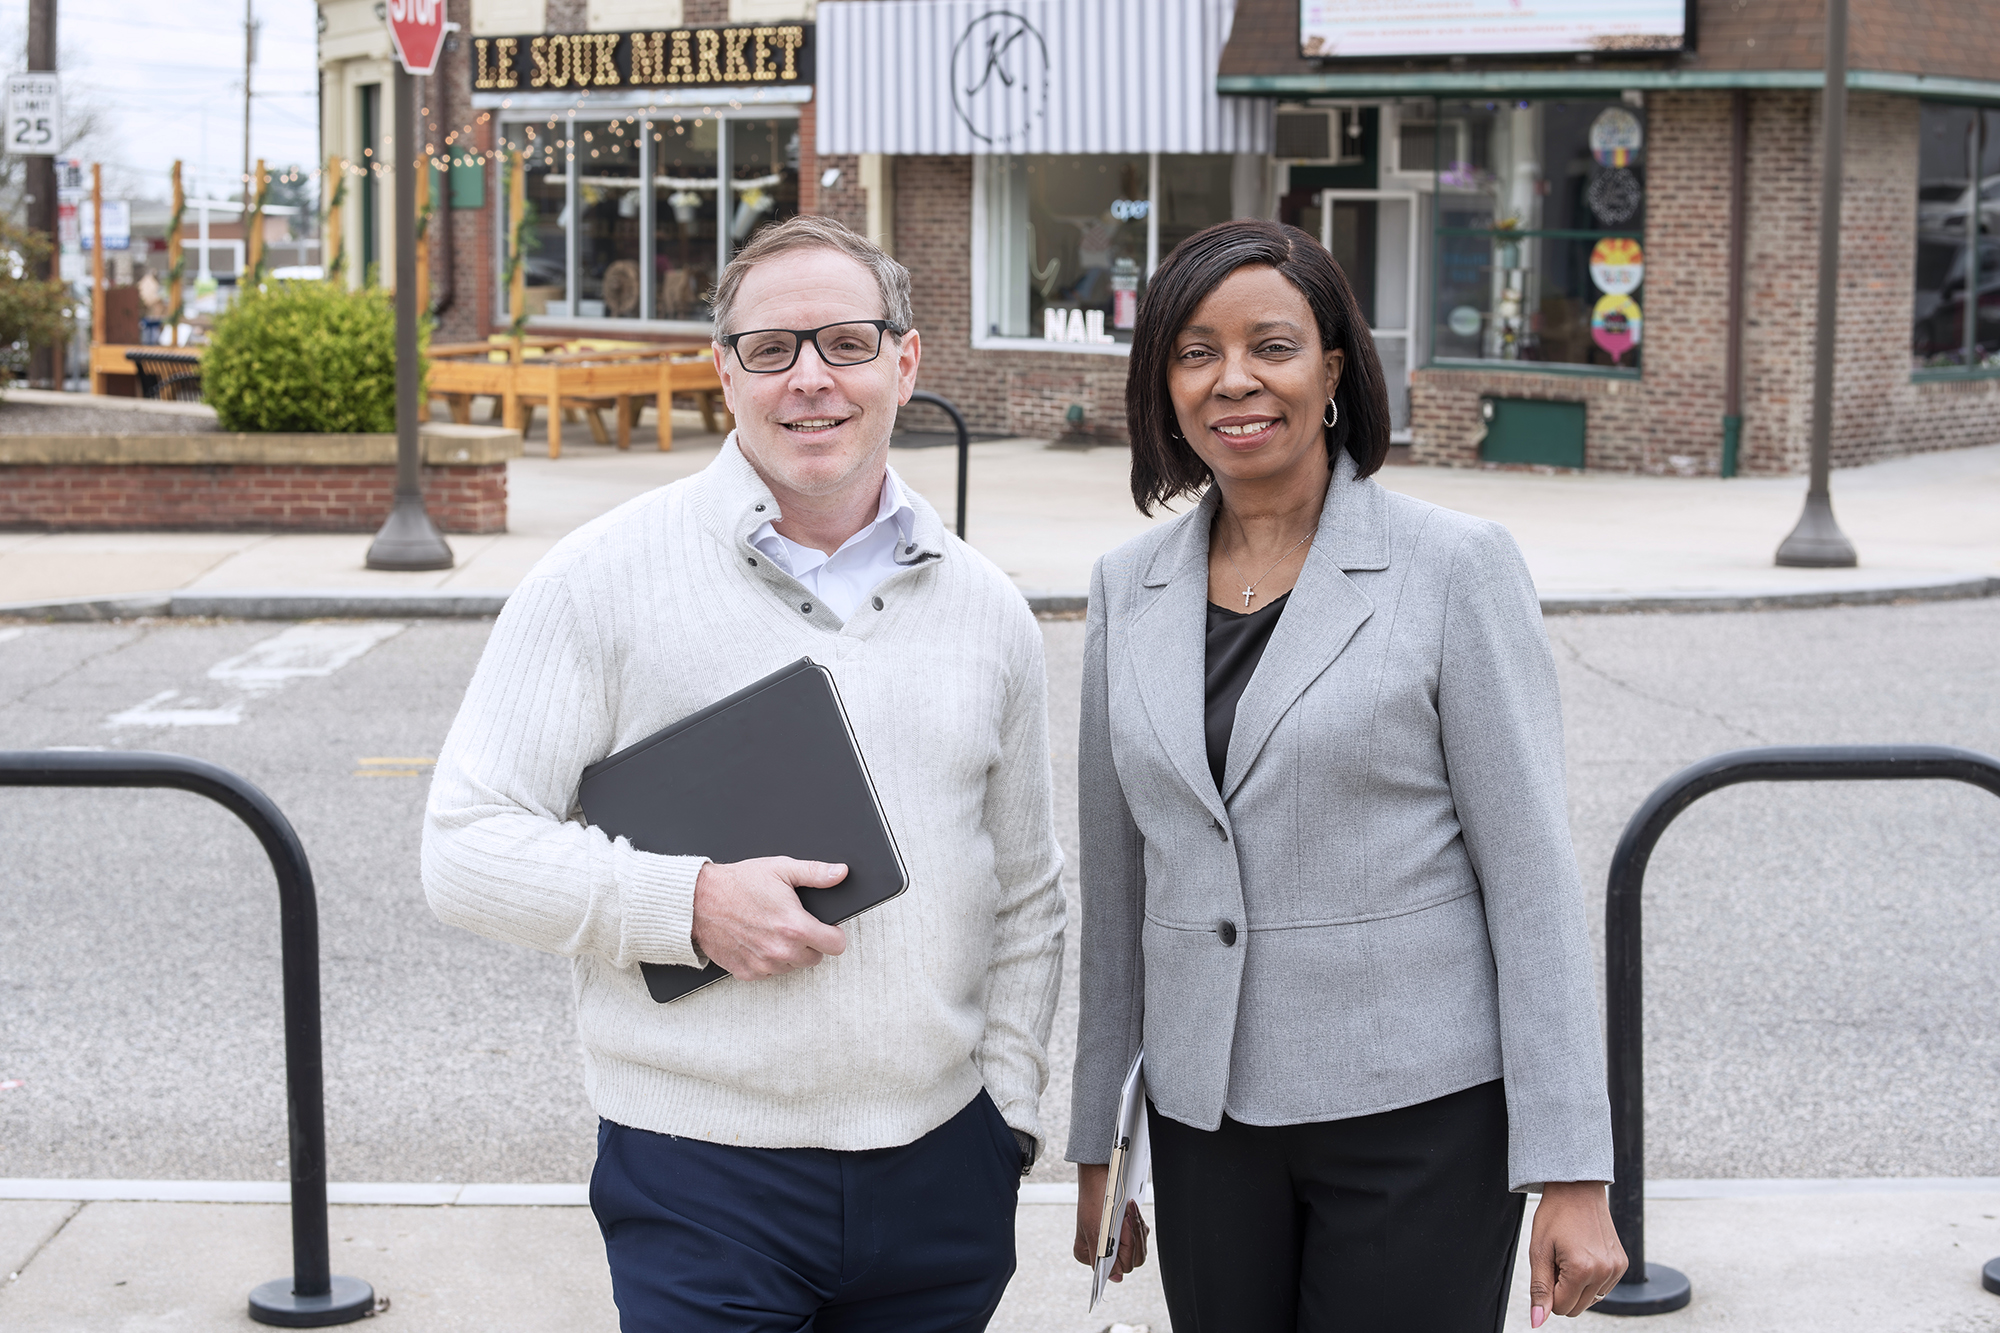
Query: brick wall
(462, 289)
(246, 497)
(1670, 420)
(1020, 393)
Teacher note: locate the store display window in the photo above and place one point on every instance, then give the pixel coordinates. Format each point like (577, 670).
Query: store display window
(630, 216)
(1955, 317)
(1072, 240)
(544, 240)
(1540, 241)
(608, 207)
(687, 156)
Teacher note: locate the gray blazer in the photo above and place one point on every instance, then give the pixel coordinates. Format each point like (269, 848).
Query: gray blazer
(1381, 906)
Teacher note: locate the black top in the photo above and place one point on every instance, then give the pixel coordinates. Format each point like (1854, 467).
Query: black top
(1235, 646)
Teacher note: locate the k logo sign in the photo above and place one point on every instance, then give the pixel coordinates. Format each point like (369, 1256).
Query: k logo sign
(418, 28)
(1000, 78)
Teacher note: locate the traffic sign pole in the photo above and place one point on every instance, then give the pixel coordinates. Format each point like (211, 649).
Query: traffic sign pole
(409, 540)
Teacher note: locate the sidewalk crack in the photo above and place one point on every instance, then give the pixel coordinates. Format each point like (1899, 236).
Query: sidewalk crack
(46, 1241)
(1576, 656)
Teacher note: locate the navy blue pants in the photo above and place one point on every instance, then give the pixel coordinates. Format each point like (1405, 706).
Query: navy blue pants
(712, 1238)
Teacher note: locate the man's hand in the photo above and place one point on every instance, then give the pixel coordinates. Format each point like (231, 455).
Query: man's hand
(1090, 1208)
(747, 916)
(1574, 1257)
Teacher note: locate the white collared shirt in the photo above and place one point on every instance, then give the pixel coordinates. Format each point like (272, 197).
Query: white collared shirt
(840, 581)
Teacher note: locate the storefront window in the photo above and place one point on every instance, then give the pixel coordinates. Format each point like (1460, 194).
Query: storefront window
(1540, 232)
(629, 217)
(607, 181)
(763, 174)
(685, 163)
(1956, 313)
(545, 251)
(1072, 240)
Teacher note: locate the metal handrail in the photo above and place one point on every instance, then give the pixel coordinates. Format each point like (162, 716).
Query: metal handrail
(964, 444)
(313, 1297)
(1652, 1288)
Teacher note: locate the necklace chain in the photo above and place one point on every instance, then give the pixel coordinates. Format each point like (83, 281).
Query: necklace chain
(1250, 585)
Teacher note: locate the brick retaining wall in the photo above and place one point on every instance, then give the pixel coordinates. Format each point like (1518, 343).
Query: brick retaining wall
(288, 497)
(230, 482)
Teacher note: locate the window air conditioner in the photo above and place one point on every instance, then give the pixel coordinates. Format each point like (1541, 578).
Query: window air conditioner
(1326, 136)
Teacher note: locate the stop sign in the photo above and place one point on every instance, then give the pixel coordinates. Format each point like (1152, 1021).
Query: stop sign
(417, 27)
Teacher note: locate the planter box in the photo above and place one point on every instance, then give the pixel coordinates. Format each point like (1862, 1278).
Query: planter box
(221, 482)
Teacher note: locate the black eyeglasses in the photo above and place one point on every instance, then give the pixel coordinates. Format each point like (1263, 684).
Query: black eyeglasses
(853, 342)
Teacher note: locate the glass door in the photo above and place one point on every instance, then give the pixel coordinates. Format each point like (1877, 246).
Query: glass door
(1372, 235)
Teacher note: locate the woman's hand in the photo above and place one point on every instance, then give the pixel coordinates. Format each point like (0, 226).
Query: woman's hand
(1574, 1257)
(1090, 1208)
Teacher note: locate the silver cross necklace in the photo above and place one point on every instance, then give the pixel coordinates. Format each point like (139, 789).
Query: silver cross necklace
(1250, 585)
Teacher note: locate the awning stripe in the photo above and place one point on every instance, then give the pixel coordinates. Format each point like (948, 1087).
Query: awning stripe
(1030, 76)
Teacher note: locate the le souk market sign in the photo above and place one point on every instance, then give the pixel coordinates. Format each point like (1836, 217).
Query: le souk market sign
(745, 56)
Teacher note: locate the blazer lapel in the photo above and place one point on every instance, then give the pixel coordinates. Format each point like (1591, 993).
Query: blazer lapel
(1167, 644)
(1325, 610)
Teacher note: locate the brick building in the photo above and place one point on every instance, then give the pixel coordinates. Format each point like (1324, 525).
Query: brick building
(1542, 239)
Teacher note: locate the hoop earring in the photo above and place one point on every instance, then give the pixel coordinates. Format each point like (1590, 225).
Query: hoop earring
(1331, 417)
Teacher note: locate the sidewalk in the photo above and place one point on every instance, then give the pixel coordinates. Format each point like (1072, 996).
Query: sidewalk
(1925, 525)
(1818, 1257)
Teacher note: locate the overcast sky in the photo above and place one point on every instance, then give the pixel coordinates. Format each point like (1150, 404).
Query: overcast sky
(169, 81)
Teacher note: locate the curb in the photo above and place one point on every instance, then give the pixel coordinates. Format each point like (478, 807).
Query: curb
(441, 1194)
(276, 604)
(335, 604)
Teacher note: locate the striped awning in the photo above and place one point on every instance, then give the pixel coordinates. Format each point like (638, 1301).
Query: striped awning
(1030, 76)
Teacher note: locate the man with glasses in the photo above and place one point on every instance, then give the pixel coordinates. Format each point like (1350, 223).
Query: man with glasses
(834, 1138)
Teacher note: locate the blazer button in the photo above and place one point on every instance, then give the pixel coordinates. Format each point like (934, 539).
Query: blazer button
(1226, 932)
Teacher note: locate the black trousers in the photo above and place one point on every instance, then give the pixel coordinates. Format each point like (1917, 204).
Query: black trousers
(1400, 1220)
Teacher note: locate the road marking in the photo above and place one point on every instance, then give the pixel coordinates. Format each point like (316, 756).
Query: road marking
(301, 652)
(150, 714)
(13, 632)
(392, 768)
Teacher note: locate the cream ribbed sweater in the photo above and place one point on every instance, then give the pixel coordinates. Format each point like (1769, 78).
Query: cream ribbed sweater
(659, 608)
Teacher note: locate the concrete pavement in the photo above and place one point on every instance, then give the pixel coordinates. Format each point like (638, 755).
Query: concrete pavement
(1924, 525)
(1825, 1257)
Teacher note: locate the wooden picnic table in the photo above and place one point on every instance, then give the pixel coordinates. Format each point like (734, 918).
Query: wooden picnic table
(624, 377)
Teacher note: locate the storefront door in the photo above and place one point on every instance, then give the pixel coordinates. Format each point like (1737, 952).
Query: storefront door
(1372, 234)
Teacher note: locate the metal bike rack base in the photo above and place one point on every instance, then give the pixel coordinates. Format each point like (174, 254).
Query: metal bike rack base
(347, 1299)
(1664, 1291)
(311, 1297)
(1651, 1288)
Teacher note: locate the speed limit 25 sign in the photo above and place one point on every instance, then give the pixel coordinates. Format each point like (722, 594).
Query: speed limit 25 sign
(34, 115)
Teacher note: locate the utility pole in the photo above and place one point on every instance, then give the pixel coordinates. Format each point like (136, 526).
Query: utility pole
(249, 59)
(1817, 542)
(44, 363)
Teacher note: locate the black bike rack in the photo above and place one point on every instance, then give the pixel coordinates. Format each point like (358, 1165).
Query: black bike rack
(964, 444)
(1653, 1288)
(312, 1297)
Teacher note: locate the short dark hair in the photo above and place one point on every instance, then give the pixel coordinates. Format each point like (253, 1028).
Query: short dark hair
(1164, 466)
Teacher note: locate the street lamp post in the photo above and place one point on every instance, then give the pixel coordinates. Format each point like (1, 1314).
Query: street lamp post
(1817, 542)
(409, 540)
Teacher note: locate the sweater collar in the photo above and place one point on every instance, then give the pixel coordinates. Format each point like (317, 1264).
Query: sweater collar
(739, 504)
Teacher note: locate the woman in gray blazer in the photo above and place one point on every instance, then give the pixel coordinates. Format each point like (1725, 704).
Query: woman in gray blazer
(1327, 876)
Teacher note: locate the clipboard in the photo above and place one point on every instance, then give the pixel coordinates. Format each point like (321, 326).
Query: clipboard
(771, 770)
(1131, 1165)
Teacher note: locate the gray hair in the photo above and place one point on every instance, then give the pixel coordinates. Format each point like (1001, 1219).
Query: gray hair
(810, 231)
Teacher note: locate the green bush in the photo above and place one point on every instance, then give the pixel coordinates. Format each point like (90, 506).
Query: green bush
(304, 356)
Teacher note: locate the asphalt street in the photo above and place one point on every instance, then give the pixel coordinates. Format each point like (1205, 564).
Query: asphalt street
(1819, 960)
